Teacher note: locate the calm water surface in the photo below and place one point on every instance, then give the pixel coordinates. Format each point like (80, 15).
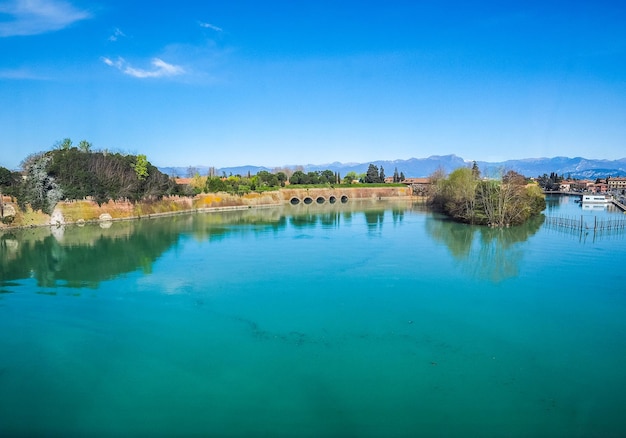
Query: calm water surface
(355, 320)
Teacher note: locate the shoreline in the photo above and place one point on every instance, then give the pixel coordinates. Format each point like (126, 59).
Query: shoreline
(90, 212)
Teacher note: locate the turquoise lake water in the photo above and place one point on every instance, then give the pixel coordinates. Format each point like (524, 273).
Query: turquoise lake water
(357, 320)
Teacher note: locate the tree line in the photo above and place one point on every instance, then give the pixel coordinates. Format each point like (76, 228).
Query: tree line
(550, 182)
(264, 180)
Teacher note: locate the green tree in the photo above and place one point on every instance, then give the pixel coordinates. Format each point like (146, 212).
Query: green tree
(71, 169)
(84, 146)
(372, 175)
(267, 179)
(9, 181)
(313, 177)
(8, 184)
(350, 177)
(64, 144)
(460, 192)
(475, 170)
(298, 177)
(254, 182)
(141, 167)
(550, 182)
(215, 184)
(282, 178)
(327, 177)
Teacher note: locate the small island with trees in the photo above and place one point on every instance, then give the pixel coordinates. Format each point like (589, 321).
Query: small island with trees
(69, 173)
(465, 197)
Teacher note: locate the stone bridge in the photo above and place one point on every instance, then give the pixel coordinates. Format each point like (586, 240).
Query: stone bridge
(341, 195)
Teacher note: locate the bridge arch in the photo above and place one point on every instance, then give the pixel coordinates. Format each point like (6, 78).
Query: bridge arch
(308, 200)
(294, 201)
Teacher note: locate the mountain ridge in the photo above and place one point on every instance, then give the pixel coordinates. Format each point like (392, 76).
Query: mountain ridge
(576, 167)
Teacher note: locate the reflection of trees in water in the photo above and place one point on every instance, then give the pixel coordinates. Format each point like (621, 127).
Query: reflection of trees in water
(84, 256)
(84, 260)
(374, 219)
(457, 237)
(330, 215)
(308, 216)
(397, 215)
(330, 219)
(494, 256)
(308, 220)
(303, 216)
(214, 226)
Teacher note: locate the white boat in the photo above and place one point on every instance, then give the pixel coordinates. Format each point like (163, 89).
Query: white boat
(595, 199)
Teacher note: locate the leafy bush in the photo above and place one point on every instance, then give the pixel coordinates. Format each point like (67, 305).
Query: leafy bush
(72, 173)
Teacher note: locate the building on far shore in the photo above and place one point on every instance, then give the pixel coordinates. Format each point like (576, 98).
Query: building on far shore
(600, 187)
(616, 184)
(419, 185)
(584, 185)
(567, 186)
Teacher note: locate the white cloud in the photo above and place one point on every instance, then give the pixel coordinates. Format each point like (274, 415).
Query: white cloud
(117, 34)
(160, 68)
(20, 74)
(117, 64)
(210, 26)
(33, 17)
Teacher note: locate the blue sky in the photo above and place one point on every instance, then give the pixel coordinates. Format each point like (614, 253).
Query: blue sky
(226, 83)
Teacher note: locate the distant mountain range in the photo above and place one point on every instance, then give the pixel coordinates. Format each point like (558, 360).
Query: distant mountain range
(421, 167)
